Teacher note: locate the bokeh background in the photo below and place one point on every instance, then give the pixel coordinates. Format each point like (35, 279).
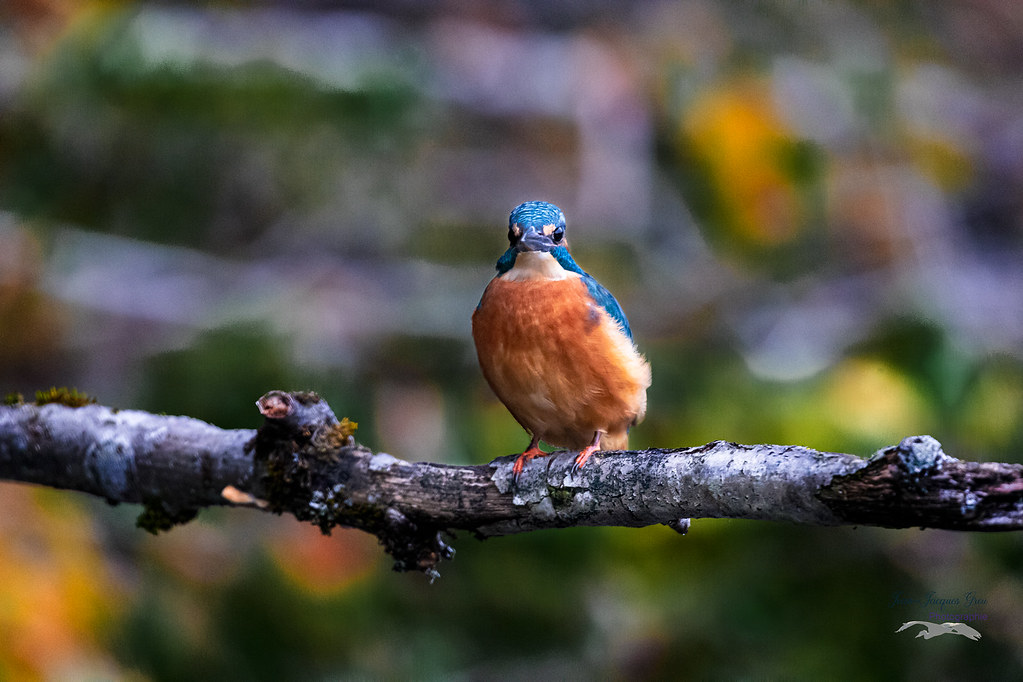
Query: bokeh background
(811, 210)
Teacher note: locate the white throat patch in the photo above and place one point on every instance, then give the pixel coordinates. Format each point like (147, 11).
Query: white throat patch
(536, 265)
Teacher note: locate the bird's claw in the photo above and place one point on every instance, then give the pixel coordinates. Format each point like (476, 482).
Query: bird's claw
(583, 457)
(517, 468)
(520, 463)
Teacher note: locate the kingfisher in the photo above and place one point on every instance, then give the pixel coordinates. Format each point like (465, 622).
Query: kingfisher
(555, 346)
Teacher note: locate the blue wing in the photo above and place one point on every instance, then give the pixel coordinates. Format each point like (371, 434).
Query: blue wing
(506, 261)
(601, 295)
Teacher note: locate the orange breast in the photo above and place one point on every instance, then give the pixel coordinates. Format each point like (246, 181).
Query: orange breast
(559, 362)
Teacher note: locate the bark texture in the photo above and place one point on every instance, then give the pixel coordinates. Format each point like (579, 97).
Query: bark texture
(303, 461)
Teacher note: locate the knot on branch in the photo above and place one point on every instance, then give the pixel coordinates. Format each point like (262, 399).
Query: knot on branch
(315, 471)
(916, 484)
(301, 435)
(916, 457)
(305, 418)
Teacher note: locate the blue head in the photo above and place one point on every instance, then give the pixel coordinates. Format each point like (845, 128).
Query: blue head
(536, 226)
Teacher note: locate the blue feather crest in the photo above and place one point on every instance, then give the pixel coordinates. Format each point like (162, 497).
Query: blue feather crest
(537, 214)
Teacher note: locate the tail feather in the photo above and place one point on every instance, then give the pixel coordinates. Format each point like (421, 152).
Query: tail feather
(615, 441)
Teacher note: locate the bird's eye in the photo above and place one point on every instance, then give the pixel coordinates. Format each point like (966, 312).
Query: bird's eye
(558, 234)
(513, 236)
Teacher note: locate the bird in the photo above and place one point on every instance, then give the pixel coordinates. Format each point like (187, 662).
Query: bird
(555, 346)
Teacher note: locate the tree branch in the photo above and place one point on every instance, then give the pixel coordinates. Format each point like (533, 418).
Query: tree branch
(304, 462)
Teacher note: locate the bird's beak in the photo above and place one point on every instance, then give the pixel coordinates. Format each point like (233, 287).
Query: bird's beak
(533, 240)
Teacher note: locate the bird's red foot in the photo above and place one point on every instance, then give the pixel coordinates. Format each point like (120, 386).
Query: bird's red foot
(531, 452)
(585, 453)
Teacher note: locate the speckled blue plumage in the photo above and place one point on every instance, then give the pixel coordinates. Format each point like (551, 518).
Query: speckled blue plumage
(536, 213)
